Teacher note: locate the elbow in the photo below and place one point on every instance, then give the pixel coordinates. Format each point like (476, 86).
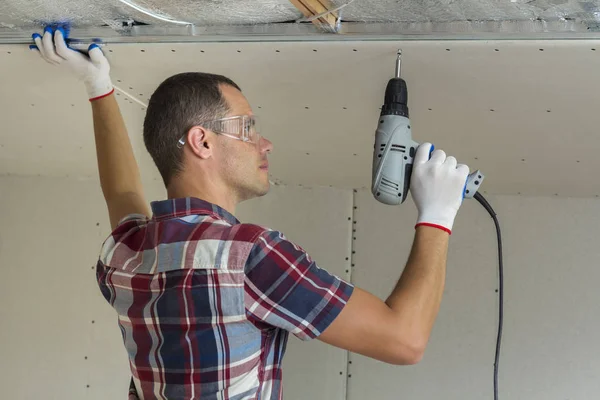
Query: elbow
(409, 353)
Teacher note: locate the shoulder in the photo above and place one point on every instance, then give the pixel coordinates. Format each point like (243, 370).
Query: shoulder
(127, 237)
(249, 232)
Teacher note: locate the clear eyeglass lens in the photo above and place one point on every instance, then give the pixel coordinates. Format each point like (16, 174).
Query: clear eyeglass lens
(243, 127)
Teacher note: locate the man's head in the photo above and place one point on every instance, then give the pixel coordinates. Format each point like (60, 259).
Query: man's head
(188, 138)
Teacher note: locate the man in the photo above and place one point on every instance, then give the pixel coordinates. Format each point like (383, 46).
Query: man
(205, 303)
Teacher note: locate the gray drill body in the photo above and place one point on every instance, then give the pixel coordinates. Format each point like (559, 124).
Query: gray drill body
(392, 159)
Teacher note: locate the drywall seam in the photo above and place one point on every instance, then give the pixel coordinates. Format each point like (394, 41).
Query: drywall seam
(352, 264)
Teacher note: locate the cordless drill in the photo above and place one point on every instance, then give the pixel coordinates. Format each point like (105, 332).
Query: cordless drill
(394, 149)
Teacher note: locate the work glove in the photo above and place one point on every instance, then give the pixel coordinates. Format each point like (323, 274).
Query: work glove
(93, 70)
(437, 186)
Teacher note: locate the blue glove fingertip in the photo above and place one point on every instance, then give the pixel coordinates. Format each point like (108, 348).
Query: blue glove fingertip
(36, 36)
(93, 46)
(33, 47)
(62, 31)
(66, 30)
(48, 29)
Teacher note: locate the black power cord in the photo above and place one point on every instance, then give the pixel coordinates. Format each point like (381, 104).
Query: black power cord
(479, 197)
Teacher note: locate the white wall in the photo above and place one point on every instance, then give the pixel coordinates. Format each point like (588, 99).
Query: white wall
(51, 230)
(53, 315)
(550, 345)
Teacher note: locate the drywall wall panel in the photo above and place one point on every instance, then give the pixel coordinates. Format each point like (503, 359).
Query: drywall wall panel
(524, 112)
(549, 348)
(317, 219)
(60, 339)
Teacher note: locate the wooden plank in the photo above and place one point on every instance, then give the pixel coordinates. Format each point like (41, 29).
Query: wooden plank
(310, 8)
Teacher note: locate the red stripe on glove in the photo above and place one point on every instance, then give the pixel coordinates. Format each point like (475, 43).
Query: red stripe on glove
(435, 226)
(104, 95)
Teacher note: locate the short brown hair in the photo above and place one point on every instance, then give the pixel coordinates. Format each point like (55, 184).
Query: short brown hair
(179, 103)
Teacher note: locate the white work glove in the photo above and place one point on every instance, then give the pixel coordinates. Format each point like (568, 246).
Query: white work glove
(437, 186)
(93, 70)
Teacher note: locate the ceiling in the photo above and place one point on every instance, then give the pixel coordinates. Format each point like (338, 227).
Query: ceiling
(29, 13)
(524, 112)
(144, 18)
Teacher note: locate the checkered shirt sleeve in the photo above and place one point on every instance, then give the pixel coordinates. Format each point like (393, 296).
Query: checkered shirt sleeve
(285, 288)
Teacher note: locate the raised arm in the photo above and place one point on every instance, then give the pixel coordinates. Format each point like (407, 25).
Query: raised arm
(119, 173)
(397, 330)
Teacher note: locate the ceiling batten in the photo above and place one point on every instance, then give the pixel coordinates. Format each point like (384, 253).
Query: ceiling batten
(319, 12)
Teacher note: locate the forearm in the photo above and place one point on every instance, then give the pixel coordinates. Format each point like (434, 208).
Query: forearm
(417, 296)
(118, 169)
(119, 174)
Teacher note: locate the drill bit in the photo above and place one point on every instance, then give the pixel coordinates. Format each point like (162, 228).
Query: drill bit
(398, 63)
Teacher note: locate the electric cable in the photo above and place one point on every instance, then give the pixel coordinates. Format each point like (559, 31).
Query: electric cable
(479, 197)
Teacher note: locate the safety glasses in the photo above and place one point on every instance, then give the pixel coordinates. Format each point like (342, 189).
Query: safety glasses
(240, 127)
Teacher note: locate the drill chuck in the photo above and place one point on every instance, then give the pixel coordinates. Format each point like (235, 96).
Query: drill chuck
(396, 98)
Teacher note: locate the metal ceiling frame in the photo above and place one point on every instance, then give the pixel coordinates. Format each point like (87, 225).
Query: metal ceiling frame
(348, 31)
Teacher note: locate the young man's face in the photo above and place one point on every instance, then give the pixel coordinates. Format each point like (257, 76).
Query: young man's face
(244, 164)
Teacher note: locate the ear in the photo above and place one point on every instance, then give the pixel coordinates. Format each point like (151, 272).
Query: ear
(200, 142)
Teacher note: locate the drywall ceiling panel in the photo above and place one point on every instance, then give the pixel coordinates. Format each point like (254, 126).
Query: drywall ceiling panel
(524, 112)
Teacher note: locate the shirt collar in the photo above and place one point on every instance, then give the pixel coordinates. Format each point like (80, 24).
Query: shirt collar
(180, 207)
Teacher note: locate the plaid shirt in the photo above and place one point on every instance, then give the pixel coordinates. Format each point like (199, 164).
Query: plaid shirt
(205, 303)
